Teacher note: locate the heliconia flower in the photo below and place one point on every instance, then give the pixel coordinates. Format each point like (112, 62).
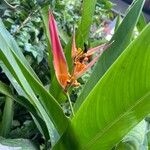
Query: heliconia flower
(80, 58)
(59, 60)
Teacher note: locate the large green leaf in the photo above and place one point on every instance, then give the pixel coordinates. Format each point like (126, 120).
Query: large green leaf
(17, 73)
(119, 100)
(46, 99)
(121, 39)
(50, 104)
(46, 105)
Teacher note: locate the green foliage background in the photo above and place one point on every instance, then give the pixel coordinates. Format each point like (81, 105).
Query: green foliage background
(23, 19)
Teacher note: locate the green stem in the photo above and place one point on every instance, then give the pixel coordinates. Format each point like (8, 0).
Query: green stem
(7, 117)
(71, 107)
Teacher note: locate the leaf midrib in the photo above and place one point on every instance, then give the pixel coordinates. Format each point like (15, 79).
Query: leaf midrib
(100, 134)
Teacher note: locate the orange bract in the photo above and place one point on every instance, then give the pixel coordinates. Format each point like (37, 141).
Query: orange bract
(59, 60)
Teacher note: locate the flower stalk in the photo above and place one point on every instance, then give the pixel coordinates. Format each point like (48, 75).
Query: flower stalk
(70, 103)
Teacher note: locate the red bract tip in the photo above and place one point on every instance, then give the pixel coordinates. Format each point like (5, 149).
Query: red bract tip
(59, 61)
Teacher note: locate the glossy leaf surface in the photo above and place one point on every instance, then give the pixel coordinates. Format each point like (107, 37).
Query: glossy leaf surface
(121, 39)
(119, 100)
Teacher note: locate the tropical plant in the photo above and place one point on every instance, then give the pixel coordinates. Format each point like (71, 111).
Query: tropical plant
(113, 100)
